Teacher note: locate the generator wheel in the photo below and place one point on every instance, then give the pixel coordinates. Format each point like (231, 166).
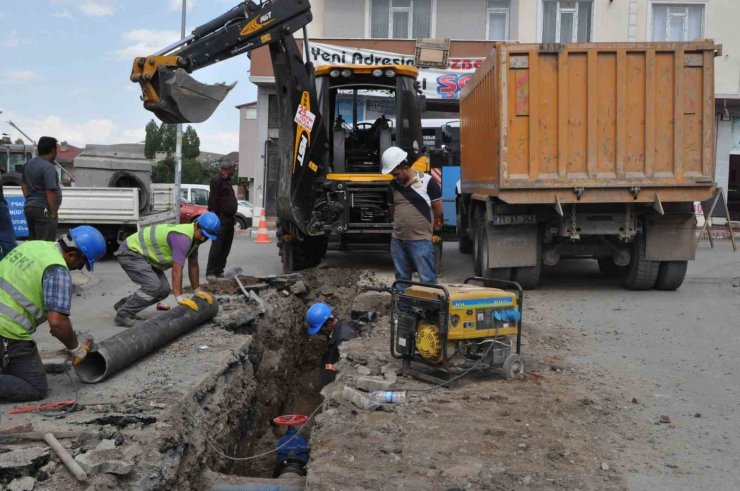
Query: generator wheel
(513, 366)
(608, 268)
(641, 273)
(464, 242)
(671, 275)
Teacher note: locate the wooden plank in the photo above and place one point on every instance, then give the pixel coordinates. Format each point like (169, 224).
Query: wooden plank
(621, 151)
(708, 123)
(534, 123)
(679, 82)
(650, 113)
(592, 112)
(562, 114)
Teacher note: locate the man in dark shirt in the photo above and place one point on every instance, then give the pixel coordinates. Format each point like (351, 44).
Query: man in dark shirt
(222, 202)
(43, 195)
(7, 235)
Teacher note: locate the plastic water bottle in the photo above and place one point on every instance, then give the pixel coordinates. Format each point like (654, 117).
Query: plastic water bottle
(388, 396)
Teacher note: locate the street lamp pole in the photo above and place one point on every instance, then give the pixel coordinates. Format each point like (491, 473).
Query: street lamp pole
(178, 143)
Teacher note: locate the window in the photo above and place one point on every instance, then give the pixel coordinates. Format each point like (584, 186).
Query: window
(199, 196)
(497, 25)
(566, 21)
(401, 19)
(677, 22)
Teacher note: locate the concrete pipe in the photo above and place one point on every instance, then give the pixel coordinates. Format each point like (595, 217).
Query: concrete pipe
(121, 350)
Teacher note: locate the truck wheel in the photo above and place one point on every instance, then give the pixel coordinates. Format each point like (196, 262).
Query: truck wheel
(465, 244)
(671, 275)
(641, 273)
(479, 231)
(608, 268)
(481, 254)
(529, 277)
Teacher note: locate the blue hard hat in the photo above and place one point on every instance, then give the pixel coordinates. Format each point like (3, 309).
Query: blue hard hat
(210, 224)
(316, 316)
(90, 242)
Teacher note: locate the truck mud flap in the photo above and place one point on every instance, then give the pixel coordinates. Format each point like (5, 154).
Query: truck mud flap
(670, 237)
(512, 246)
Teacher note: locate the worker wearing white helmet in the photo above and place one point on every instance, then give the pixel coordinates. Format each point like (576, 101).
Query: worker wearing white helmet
(417, 213)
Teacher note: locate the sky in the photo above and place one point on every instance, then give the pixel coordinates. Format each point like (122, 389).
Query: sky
(65, 66)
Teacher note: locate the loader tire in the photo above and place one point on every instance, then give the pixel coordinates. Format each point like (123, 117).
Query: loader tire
(641, 274)
(671, 275)
(298, 255)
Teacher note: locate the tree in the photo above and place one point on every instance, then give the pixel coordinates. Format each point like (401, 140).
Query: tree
(163, 138)
(153, 139)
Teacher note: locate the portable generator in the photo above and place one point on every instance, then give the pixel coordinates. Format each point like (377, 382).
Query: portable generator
(457, 328)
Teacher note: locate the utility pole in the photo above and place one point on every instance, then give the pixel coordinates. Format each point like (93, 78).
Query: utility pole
(178, 143)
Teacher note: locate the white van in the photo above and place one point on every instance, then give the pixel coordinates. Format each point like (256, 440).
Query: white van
(197, 194)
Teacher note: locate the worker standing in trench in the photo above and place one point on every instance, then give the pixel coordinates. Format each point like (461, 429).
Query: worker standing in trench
(320, 319)
(35, 285)
(145, 255)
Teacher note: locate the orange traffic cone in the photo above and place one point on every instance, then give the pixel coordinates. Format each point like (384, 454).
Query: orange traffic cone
(262, 235)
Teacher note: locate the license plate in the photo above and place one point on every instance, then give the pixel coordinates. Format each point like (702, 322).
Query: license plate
(513, 219)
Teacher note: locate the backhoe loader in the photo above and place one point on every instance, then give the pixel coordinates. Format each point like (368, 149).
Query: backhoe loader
(335, 123)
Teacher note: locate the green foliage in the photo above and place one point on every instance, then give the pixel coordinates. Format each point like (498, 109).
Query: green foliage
(163, 138)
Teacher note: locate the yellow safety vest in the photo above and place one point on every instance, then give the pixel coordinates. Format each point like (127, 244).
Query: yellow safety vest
(151, 242)
(21, 287)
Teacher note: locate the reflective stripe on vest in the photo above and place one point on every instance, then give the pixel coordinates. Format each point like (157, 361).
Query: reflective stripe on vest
(23, 300)
(21, 287)
(157, 251)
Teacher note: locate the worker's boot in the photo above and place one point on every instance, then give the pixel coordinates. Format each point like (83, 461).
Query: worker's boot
(124, 320)
(120, 303)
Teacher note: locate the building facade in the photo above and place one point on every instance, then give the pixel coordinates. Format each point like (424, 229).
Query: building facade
(393, 25)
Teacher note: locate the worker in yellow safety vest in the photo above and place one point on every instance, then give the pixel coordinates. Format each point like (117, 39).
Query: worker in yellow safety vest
(145, 255)
(35, 285)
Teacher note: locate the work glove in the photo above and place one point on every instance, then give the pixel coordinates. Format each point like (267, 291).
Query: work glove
(79, 353)
(204, 295)
(187, 302)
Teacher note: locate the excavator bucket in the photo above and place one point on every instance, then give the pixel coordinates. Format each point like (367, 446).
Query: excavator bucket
(182, 99)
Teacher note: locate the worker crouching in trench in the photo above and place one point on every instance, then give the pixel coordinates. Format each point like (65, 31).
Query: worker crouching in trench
(320, 319)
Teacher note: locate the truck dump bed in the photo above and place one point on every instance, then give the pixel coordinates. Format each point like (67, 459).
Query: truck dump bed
(592, 123)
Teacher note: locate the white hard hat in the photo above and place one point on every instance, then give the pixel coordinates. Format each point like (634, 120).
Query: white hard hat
(392, 157)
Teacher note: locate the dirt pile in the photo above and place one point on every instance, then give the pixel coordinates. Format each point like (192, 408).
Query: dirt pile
(543, 431)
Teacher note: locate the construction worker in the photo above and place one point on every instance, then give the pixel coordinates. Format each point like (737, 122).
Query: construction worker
(320, 319)
(35, 285)
(417, 213)
(145, 255)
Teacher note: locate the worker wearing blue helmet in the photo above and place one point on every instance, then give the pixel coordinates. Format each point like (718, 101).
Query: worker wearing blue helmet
(320, 318)
(145, 255)
(36, 286)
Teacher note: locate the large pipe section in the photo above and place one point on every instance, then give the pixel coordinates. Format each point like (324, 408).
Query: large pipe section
(121, 350)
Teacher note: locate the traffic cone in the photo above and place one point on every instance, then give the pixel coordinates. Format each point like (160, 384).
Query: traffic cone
(262, 234)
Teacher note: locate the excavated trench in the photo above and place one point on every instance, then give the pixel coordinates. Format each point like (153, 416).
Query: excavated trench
(278, 373)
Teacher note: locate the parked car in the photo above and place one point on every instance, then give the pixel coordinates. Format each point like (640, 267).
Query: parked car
(244, 214)
(197, 194)
(190, 211)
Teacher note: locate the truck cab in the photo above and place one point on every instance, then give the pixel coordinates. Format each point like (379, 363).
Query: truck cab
(13, 157)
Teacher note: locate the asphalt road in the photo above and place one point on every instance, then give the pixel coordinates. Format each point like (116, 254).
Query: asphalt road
(680, 349)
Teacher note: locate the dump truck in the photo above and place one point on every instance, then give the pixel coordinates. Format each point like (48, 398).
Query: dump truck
(593, 150)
